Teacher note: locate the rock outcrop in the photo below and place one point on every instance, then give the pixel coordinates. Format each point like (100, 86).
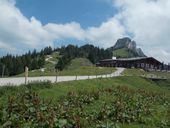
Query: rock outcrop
(125, 48)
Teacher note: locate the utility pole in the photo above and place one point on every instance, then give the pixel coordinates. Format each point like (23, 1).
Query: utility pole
(26, 75)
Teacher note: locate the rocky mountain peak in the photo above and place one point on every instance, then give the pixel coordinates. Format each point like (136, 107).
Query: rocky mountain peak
(126, 46)
(125, 42)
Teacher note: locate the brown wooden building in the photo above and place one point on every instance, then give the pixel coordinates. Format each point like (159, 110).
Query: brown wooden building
(147, 63)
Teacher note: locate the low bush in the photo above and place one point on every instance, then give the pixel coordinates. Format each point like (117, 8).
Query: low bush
(126, 106)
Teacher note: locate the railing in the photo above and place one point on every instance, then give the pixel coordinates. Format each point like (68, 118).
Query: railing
(54, 79)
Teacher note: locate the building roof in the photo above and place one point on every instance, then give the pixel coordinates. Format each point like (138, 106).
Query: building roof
(131, 59)
(135, 58)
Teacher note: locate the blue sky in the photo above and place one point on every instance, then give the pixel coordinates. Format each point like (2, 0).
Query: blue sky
(34, 24)
(86, 12)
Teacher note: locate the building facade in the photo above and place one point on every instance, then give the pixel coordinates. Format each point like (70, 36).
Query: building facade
(147, 63)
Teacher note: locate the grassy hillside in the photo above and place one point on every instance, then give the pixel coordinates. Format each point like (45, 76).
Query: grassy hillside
(87, 70)
(134, 72)
(121, 52)
(78, 66)
(82, 66)
(124, 53)
(164, 74)
(51, 60)
(124, 102)
(79, 62)
(140, 72)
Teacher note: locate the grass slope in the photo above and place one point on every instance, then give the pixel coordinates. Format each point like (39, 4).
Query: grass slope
(82, 66)
(140, 72)
(133, 82)
(60, 91)
(53, 58)
(79, 62)
(124, 53)
(163, 74)
(78, 66)
(134, 72)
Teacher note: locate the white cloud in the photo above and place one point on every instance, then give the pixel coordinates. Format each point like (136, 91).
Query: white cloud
(107, 33)
(147, 20)
(19, 32)
(70, 30)
(6, 46)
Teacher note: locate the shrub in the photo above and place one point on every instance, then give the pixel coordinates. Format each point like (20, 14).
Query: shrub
(28, 110)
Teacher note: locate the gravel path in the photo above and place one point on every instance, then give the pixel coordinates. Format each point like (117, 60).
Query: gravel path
(21, 80)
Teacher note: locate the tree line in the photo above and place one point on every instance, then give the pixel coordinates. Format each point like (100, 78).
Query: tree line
(13, 65)
(94, 54)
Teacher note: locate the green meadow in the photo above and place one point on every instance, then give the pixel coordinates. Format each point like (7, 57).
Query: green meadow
(122, 102)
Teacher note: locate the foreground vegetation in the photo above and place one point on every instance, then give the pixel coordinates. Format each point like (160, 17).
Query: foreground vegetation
(120, 102)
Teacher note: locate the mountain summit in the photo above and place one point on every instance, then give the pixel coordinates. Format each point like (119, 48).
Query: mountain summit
(126, 48)
(125, 43)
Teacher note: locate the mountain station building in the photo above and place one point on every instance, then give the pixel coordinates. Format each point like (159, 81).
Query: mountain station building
(146, 63)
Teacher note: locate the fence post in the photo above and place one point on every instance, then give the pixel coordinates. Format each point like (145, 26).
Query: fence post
(96, 73)
(3, 70)
(56, 75)
(26, 75)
